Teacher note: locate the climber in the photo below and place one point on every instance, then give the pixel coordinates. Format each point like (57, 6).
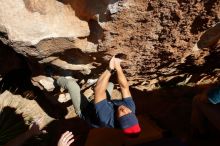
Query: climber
(124, 109)
(102, 112)
(206, 109)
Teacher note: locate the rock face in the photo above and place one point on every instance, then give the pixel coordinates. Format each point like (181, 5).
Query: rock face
(165, 43)
(159, 38)
(29, 22)
(41, 29)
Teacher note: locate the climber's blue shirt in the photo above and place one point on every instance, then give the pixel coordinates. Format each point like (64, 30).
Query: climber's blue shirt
(214, 95)
(106, 111)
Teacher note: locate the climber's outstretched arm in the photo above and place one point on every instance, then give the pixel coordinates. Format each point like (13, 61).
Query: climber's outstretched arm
(102, 83)
(123, 83)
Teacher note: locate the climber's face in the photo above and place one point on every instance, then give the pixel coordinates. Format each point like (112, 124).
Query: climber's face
(123, 110)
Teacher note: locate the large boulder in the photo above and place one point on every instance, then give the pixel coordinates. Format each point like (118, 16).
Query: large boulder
(27, 23)
(45, 29)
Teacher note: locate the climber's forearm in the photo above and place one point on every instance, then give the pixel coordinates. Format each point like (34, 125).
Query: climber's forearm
(101, 86)
(123, 83)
